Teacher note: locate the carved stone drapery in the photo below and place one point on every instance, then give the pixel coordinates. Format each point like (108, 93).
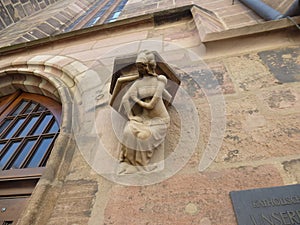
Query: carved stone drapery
(141, 96)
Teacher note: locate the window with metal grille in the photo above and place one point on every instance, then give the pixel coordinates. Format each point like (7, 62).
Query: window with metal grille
(103, 11)
(27, 134)
(29, 125)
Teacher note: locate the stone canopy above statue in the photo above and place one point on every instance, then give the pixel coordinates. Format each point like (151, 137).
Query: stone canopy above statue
(125, 72)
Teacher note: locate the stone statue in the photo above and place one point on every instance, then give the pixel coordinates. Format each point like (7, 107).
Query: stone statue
(148, 118)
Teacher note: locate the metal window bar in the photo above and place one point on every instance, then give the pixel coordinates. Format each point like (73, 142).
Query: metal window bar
(99, 14)
(116, 13)
(82, 17)
(13, 142)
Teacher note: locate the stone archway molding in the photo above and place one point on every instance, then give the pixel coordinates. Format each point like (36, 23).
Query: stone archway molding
(60, 78)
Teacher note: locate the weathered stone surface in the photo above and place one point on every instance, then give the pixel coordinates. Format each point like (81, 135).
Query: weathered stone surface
(74, 203)
(12, 13)
(28, 8)
(1, 25)
(280, 5)
(35, 5)
(254, 134)
(56, 9)
(46, 28)
(211, 78)
(54, 23)
(243, 18)
(238, 15)
(4, 15)
(284, 64)
(29, 37)
(249, 73)
(262, 124)
(282, 99)
(200, 198)
(222, 75)
(293, 169)
(37, 34)
(20, 11)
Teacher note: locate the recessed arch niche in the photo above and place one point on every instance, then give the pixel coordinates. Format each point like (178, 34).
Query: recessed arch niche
(21, 79)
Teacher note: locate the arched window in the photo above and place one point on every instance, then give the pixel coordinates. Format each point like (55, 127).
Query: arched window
(29, 125)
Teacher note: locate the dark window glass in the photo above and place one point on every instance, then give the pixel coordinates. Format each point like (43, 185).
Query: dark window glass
(23, 154)
(43, 124)
(30, 108)
(14, 128)
(54, 128)
(8, 154)
(40, 152)
(40, 108)
(116, 12)
(20, 108)
(27, 131)
(28, 126)
(1, 146)
(4, 125)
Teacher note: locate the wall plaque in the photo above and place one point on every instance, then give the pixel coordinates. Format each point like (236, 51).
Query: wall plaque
(267, 206)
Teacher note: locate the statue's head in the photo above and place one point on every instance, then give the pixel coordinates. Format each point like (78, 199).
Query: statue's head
(145, 63)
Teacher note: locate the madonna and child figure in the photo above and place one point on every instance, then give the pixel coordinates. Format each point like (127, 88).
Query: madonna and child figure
(148, 118)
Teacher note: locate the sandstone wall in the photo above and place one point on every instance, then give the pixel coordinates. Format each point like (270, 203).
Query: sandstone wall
(259, 82)
(13, 11)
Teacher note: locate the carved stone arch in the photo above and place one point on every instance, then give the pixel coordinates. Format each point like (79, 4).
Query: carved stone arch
(56, 77)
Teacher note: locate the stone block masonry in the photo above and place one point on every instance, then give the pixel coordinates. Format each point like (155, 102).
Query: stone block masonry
(187, 198)
(13, 11)
(53, 19)
(260, 86)
(75, 203)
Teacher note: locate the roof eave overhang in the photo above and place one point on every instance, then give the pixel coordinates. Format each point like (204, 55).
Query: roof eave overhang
(157, 18)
